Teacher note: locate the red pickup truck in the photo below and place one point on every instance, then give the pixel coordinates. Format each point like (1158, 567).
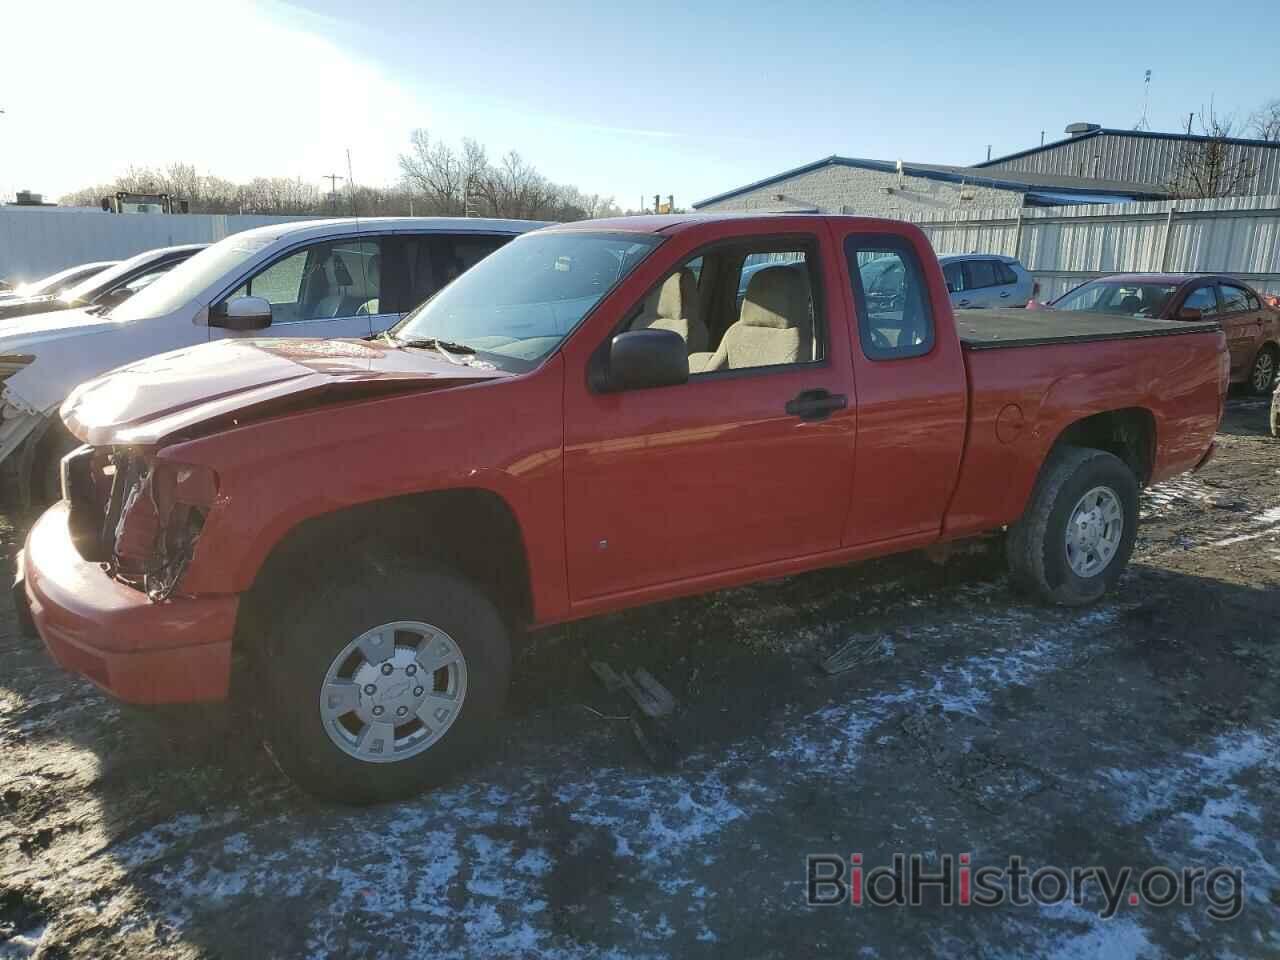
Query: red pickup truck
(596, 416)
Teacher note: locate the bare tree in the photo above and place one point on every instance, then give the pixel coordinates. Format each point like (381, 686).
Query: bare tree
(1209, 165)
(1265, 121)
(435, 172)
(444, 181)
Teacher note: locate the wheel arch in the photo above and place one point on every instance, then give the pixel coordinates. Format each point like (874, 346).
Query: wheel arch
(473, 530)
(1129, 433)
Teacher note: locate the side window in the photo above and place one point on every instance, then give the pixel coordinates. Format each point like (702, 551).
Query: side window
(893, 323)
(468, 251)
(954, 277)
(979, 273)
(765, 314)
(1004, 274)
(1234, 299)
(325, 281)
(1202, 299)
(1254, 302)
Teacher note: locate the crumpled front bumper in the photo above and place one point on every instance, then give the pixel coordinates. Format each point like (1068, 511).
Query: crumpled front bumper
(176, 651)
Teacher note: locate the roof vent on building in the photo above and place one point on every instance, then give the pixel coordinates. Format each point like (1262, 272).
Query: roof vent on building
(1080, 129)
(25, 198)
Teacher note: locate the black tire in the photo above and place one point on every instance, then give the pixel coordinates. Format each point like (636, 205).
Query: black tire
(314, 626)
(46, 472)
(1262, 375)
(1036, 546)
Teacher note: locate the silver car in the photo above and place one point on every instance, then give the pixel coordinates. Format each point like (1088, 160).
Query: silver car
(987, 280)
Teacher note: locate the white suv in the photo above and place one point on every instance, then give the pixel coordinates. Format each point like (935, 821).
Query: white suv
(316, 278)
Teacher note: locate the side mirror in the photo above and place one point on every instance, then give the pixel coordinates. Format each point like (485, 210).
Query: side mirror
(1190, 313)
(242, 313)
(639, 359)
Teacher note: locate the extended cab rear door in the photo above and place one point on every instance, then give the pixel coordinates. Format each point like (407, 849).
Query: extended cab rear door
(745, 464)
(909, 376)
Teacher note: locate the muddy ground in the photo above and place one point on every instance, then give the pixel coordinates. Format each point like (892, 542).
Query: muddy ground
(1140, 732)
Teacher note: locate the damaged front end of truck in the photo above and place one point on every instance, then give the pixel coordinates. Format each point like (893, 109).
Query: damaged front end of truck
(138, 515)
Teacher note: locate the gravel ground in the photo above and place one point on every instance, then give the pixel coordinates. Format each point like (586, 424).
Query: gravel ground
(1140, 732)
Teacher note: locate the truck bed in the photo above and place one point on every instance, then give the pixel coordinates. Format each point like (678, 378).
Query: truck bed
(1000, 328)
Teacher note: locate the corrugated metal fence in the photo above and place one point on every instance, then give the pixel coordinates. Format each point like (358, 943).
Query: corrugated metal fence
(1064, 246)
(37, 241)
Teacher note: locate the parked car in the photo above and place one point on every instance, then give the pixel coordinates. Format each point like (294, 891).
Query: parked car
(367, 522)
(987, 280)
(105, 289)
(1251, 324)
(318, 278)
(57, 283)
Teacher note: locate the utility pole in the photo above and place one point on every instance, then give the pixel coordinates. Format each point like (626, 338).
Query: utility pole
(333, 179)
(988, 153)
(1189, 116)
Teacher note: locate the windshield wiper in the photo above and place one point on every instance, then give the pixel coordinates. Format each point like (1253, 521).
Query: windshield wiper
(432, 343)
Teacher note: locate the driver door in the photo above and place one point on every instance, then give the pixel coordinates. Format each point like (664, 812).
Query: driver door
(326, 289)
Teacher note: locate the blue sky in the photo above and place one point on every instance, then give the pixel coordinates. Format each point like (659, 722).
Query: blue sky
(621, 99)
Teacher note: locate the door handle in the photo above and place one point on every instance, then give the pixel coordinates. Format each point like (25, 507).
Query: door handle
(962, 303)
(1005, 294)
(816, 404)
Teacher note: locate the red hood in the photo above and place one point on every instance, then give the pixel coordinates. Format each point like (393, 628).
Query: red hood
(144, 402)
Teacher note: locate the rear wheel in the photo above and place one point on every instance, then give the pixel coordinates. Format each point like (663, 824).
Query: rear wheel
(1263, 374)
(1076, 535)
(380, 688)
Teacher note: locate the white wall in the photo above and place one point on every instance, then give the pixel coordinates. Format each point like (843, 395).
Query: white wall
(38, 241)
(1064, 246)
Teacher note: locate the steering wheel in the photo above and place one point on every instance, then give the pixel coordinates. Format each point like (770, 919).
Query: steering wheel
(879, 340)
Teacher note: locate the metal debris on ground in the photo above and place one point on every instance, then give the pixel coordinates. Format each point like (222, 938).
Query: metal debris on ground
(653, 735)
(859, 650)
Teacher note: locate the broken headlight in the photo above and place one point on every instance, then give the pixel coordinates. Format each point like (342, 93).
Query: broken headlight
(157, 509)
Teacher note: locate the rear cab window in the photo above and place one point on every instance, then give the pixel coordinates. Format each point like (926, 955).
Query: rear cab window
(895, 319)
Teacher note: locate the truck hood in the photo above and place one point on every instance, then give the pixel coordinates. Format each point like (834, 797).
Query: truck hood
(196, 390)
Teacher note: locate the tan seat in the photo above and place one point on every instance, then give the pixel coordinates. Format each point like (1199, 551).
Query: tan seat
(675, 308)
(775, 325)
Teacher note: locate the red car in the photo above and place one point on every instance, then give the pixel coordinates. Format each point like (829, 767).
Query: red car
(585, 421)
(1251, 320)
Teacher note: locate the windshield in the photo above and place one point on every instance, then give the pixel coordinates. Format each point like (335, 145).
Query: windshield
(523, 300)
(1125, 298)
(90, 287)
(175, 288)
(55, 282)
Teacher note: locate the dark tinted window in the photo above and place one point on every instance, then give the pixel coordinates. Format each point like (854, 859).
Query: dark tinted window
(1234, 299)
(895, 320)
(979, 273)
(954, 277)
(1004, 274)
(1202, 299)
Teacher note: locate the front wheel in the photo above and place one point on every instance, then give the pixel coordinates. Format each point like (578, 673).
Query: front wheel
(379, 688)
(1077, 532)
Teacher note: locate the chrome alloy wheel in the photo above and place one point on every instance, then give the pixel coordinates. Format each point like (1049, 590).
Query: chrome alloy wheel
(393, 691)
(1094, 531)
(1264, 371)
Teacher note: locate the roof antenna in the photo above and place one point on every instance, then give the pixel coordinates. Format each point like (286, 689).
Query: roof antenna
(1146, 99)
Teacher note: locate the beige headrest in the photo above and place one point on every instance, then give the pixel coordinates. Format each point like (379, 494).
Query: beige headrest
(678, 296)
(776, 297)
